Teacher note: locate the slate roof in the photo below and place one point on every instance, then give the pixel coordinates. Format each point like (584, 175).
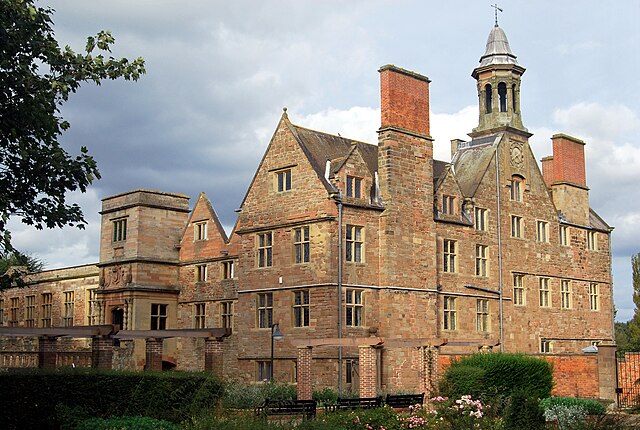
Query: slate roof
(321, 147)
(471, 162)
(598, 223)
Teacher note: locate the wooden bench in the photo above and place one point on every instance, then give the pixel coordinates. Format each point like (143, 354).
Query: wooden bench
(404, 400)
(306, 408)
(355, 403)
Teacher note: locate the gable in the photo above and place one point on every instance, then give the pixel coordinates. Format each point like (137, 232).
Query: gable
(203, 236)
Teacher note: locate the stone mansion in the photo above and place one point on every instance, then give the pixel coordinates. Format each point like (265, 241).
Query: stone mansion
(339, 239)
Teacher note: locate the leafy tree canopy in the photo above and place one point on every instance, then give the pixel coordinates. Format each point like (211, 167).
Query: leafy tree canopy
(36, 78)
(14, 266)
(628, 334)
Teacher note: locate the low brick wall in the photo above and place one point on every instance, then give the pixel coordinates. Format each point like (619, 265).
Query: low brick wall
(573, 375)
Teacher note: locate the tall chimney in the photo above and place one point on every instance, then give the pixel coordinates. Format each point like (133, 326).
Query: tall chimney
(404, 99)
(565, 175)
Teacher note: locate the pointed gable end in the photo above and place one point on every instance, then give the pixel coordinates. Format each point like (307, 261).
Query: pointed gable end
(203, 236)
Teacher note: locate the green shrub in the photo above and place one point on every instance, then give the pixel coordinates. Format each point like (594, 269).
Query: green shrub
(325, 396)
(234, 422)
(52, 399)
(592, 407)
(497, 373)
(240, 395)
(126, 423)
(523, 413)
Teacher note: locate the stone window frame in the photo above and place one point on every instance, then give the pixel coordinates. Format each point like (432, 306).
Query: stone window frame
(1, 312)
(14, 311)
(301, 308)
(227, 269)
(46, 306)
(68, 307)
(519, 291)
(566, 294)
(201, 272)
(264, 371)
(517, 227)
(92, 304)
(354, 303)
(594, 296)
(158, 316)
(264, 310)
(480, 218)
(302, 244)
(200, 231)
(544, 289)
(542, 231)
(283, 180)
(119, 226)
(200, 315)
(354, 243)
(482, 260)
(483, 316)
(546, 346)
(449, 313)
(354, 187)
(351, 368)
(592, 240)
(30, 310)
(226, 314)
(563, 235)
(448, 205)
(264, 246)
(516, 187)
(449, 255)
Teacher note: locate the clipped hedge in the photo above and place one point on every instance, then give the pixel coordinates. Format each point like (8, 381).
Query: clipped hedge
(51, 399)
(498, 374)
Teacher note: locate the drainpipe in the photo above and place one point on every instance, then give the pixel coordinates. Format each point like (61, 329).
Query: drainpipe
(499, 251)
(338, 199)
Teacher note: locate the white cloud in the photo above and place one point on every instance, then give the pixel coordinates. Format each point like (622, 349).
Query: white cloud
(446, 126)
(358, 123)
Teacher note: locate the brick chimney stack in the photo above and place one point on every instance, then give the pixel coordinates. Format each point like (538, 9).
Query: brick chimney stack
(568, 159)
(565, 174)
(405, 172)
(404, 99)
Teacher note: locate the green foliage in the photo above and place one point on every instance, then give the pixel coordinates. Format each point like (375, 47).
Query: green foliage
(14, 266)
(232, 422)
(503, 374)
(325, 396)
(628, 334)
(523, 413)
(51, 399)
(592, 407)
(126, 423)
(239, 395)
(36, 78)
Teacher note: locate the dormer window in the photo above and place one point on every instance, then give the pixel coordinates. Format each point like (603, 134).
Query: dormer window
(354, 187)
(448, 205)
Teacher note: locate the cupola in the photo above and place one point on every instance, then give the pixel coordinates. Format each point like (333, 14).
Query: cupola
(498, 77)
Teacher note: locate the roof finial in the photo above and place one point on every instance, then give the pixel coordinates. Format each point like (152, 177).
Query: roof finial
(495, 6)
(284, 112)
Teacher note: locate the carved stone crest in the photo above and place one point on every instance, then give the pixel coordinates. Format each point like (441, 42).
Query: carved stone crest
(517, 154)
(115, 276)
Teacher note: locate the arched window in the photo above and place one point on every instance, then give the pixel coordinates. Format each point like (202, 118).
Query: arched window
(488, 98)
(513, 97)
(502, 95)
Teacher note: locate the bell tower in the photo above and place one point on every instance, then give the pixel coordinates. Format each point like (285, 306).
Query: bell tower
(498, 77)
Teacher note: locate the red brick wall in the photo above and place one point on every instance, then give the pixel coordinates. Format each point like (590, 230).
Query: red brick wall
(568, 159)
(404, 99)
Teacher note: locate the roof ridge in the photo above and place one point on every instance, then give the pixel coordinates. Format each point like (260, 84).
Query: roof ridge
(329, 134)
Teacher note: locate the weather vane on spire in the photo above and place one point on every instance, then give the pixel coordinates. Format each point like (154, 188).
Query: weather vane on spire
(495, 6)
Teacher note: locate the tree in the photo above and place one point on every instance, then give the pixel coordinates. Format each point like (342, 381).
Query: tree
(14, 266)
(628, 334)
(36, 78)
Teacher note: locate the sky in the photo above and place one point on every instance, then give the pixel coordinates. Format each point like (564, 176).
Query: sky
(219, 74)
